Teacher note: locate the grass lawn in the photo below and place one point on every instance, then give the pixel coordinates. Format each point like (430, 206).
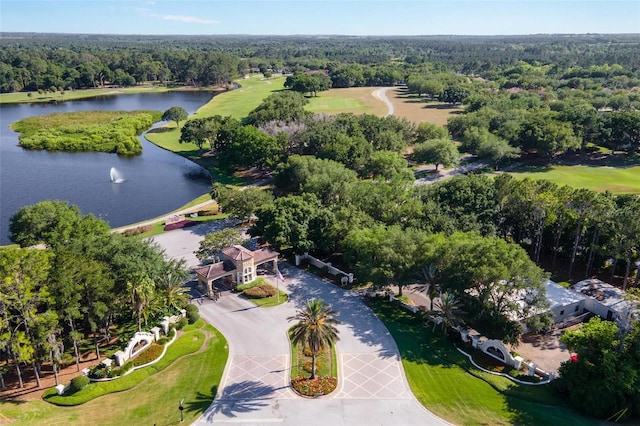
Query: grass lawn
(419, 110)
(265, 302)
(445, 382)
(619, 180)
(240, 102)
(22, 97)
(357, 100)
(193, 377)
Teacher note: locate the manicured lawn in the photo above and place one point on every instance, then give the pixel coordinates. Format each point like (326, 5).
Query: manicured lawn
(357, 100)
(446, 383)
(619, 180)
(240, 102)
(193, 377)
(266, 302)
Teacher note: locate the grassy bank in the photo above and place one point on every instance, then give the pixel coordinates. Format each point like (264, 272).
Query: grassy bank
(69, 95)
(194, 377)
(618, 180)
(445, 382)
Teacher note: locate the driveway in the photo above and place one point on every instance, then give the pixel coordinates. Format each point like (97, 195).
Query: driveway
(255, 385)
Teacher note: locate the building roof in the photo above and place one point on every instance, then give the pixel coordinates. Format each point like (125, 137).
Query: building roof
(559, 296)
(264, 255)
(216, 270)
(604, 293)
(237, 253)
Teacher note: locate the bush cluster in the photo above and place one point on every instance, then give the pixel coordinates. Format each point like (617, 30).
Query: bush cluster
(316, 387)
(78, 383)
(180, 324)
(260, 291)
(181, 224)
(110, 131)
(137, 231)
(308, 366)
(193, 314)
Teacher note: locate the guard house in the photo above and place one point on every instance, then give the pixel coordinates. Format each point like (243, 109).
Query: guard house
(238, 266)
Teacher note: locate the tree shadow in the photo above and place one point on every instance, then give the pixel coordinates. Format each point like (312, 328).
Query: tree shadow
(353, 312)
(242, 397)
(202, 401)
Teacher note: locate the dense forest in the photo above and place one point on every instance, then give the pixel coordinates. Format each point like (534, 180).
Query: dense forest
(44, 61)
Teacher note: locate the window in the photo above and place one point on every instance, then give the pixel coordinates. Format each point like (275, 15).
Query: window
(577, 308)
(562, 312)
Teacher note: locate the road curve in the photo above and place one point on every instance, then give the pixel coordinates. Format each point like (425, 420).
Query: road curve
(255, 384)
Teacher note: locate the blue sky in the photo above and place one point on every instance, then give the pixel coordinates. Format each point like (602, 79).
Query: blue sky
(363, 17)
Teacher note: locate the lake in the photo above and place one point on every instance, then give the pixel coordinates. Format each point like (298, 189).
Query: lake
(155, 182)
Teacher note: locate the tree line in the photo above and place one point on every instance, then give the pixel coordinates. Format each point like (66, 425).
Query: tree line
(84, 284)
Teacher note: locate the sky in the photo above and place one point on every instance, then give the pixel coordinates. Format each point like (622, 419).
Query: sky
(331, 17)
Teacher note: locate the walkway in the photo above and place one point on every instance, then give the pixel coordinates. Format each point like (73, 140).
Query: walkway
(255, 385)
(382, 95)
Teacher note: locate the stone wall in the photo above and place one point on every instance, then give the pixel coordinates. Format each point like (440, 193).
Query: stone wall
(324, 265)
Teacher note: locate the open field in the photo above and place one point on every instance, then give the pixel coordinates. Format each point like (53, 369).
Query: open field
(446, 383)
(240, 102)
(357, 100)
(416, 109)
(194, 377)
(619, 180)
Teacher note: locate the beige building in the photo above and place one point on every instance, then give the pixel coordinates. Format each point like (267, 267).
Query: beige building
(238, 266)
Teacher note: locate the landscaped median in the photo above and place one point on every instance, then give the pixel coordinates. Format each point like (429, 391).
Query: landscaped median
(191, 371)
(446, 383)
(262, 293)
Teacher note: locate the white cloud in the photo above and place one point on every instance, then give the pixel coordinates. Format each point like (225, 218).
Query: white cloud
(189, 19)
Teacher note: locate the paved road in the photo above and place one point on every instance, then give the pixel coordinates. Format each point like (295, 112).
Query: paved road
(255, 385)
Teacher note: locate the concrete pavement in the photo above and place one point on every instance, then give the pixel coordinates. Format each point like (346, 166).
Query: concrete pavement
(255, 385)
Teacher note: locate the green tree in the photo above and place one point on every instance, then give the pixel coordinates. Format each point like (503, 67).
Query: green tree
(448, 310)
(141, 290)
(214, 242)
(244, 203)
(281, 106)
(316, 328)
(428, 131)
(604, 380)
(436, 151)
(497, 150)
(200, 131)
(175, 113)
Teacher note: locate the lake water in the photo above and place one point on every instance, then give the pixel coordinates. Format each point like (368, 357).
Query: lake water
(156, 182)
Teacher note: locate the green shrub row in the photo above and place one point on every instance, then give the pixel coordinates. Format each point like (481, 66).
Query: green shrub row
(260, 291)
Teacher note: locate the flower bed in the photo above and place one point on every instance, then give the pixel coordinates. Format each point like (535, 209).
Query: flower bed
(150, 354)
(316, 387)
(260, 291)
(181, 224)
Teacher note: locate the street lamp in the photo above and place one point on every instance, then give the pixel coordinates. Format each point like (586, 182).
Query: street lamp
(181, 408)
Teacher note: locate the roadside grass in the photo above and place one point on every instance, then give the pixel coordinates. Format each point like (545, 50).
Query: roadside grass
(157, 228)
(618, 180)
(326, 362)
(194, 378)
(445, 382)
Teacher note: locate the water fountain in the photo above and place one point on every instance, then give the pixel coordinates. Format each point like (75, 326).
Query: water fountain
(115, 176)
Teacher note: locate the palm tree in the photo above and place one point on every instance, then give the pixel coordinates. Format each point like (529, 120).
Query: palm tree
(449, 310)
(315, 328)
(141, 289)
(173, 293)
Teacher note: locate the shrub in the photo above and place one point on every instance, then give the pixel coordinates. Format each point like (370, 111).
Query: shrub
(181, 224)
(260, 292)
(99, 371)
(78, 383)
(193, 315)
(307, 366)
(181, 324)
(137, 231)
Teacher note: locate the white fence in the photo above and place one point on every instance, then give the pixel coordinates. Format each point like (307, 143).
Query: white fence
(347, 278)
